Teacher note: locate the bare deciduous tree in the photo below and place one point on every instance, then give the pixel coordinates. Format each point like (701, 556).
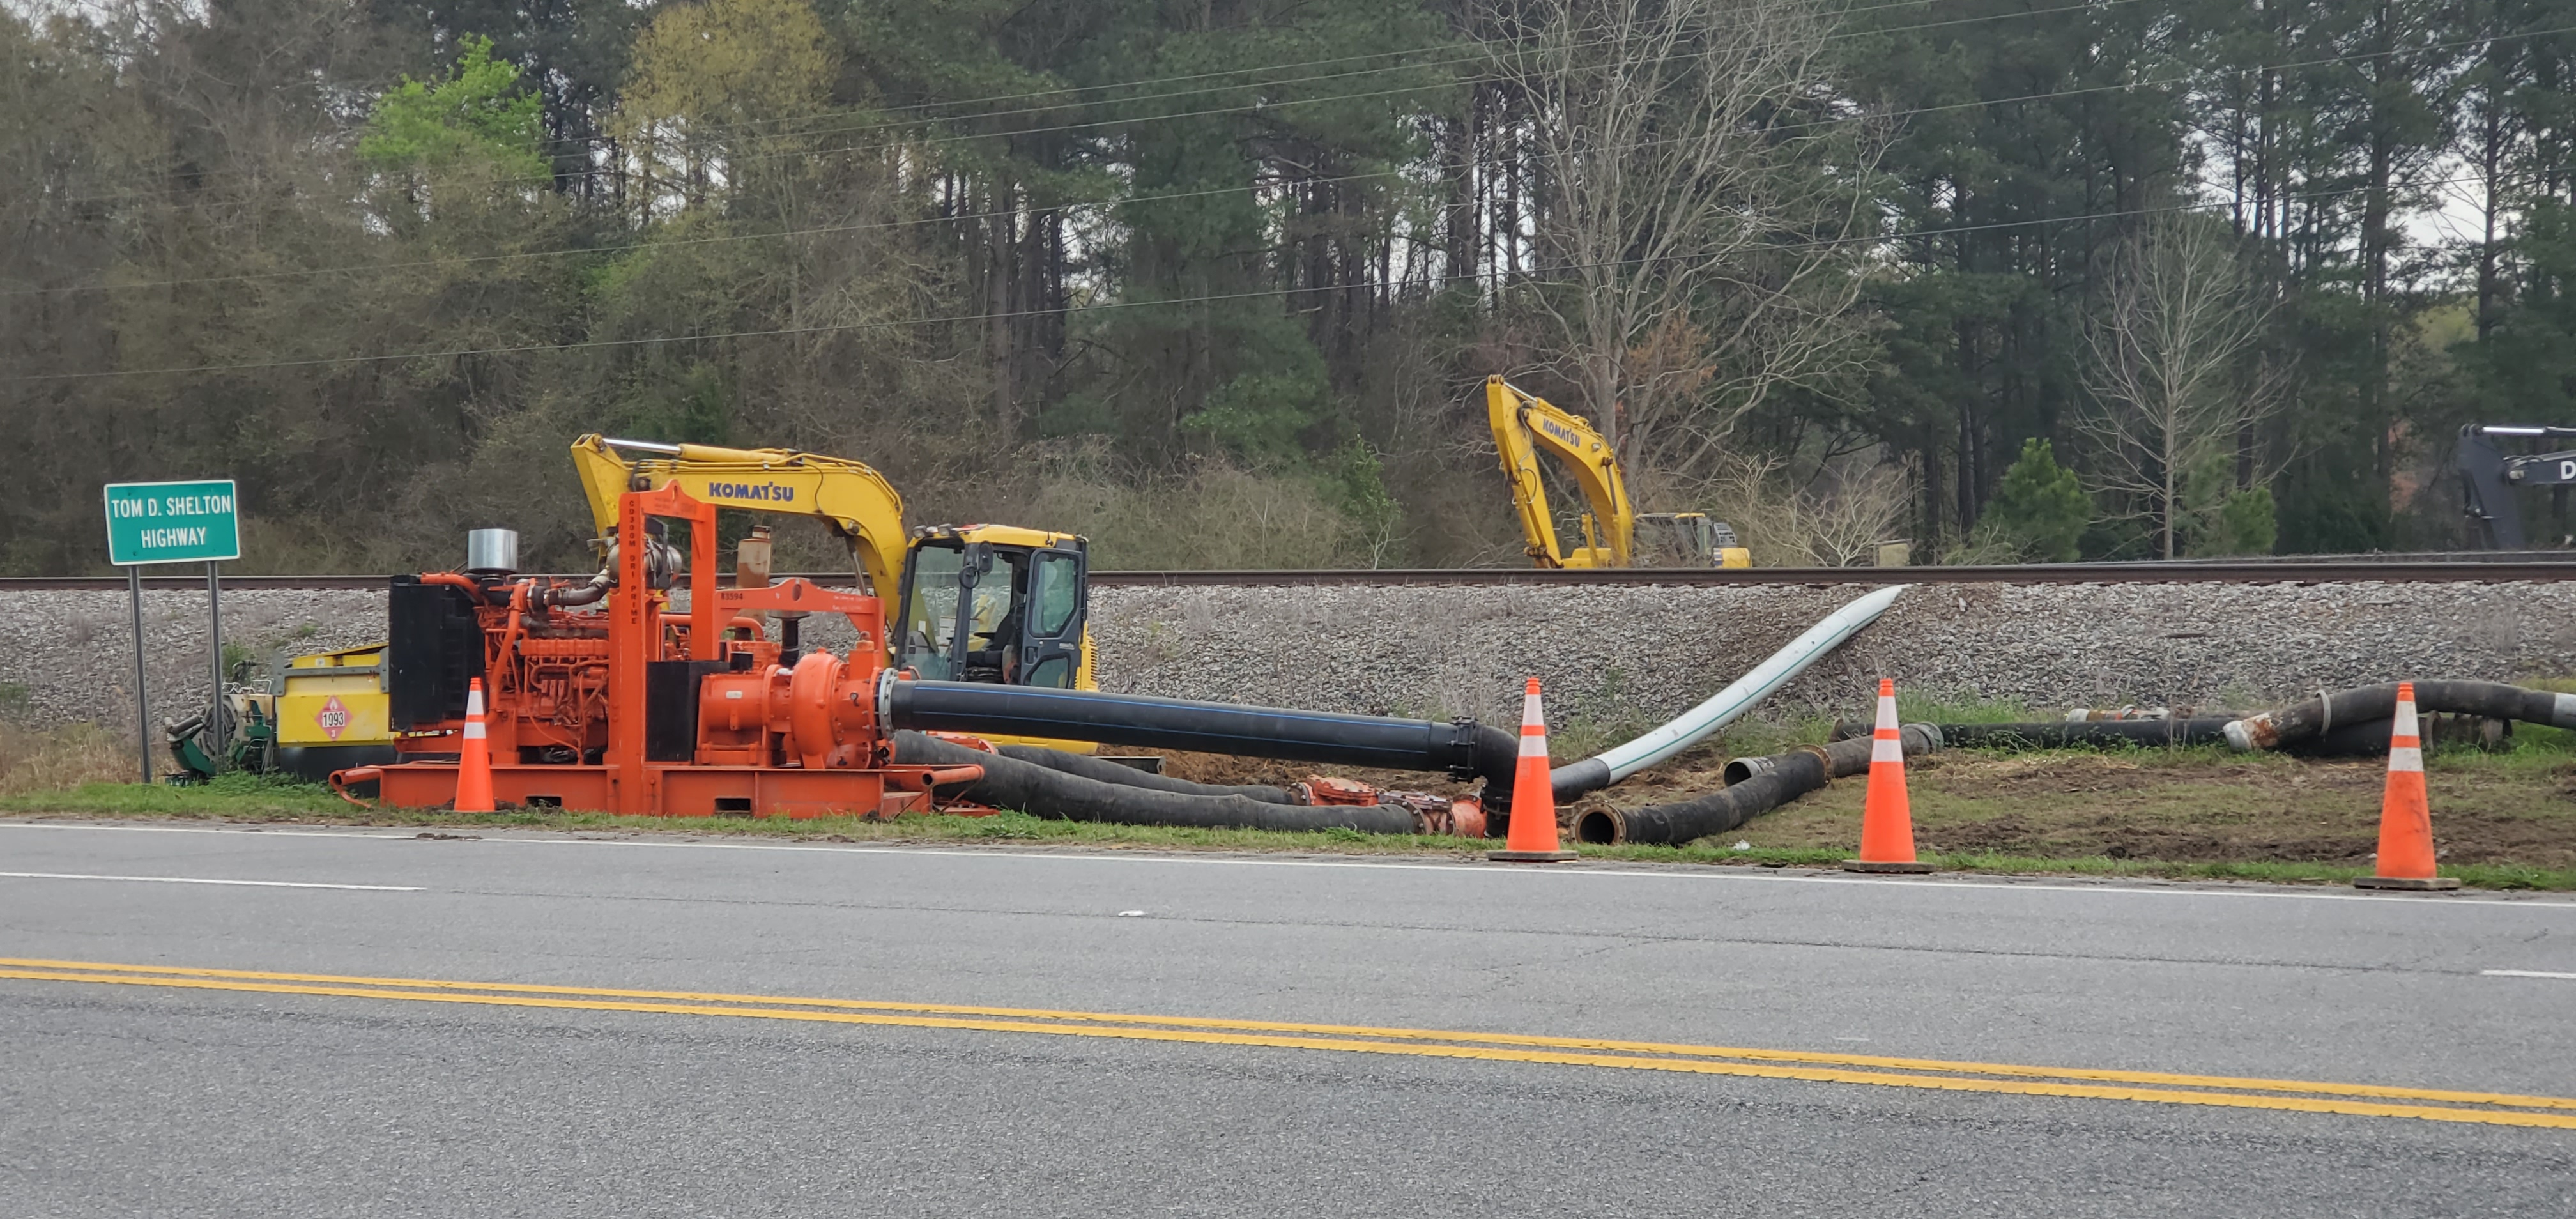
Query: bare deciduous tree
(2172, 366)
(1833, 515)
(1688, 219)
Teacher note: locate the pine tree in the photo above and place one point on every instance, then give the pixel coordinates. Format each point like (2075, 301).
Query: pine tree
(2040, 508)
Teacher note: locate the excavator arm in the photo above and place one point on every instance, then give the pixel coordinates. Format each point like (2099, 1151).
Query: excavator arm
(1525, 423)
(849, 497)
(2488, 476)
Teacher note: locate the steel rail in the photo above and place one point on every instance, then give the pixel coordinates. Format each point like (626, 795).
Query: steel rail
(2356, 570)
(2065, 573)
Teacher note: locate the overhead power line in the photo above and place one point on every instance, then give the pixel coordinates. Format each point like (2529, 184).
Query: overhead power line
(952, 319)
(1277, 67)
(772, 234)
(1265, 106)
(1838, 35)
(1132, 120)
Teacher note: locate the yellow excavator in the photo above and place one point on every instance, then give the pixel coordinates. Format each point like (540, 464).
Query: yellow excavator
(989, 603)
(1615, 534)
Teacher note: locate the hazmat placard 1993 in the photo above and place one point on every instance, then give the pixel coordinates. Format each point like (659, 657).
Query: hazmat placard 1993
(190, 522)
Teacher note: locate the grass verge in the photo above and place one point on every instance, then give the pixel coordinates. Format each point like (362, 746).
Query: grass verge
(2193, 798)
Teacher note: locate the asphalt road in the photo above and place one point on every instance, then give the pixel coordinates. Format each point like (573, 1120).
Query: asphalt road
(361, 1089)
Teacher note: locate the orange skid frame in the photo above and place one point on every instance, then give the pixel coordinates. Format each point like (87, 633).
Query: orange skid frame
(679, 790)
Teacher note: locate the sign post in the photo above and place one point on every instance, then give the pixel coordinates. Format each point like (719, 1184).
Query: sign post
(142, 716)
(181, 522)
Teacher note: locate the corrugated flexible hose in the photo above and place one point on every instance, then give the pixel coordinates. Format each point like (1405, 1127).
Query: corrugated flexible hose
(1129, 776)
(2329, 712)
(1764, 784)
(1010, 783)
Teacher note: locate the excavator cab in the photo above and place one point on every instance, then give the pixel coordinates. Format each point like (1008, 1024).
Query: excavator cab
(991, 603)
(1686, 539)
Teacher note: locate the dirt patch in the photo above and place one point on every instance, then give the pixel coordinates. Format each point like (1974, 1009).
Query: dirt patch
(1226, 769)
(2198, 809)
(2462, 837)
(1694, 772)
(2112, 838)
(2194, 807)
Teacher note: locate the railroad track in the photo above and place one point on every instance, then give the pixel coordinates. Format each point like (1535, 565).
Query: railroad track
(2442, 570)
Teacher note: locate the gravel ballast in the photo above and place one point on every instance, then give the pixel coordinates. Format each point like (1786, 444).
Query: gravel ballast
(1610, 654)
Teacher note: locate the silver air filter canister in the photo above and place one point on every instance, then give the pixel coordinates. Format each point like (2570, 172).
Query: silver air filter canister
(492, 552)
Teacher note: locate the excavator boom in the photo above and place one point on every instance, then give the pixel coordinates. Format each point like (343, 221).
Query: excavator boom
(1523, 424)
(849, 497)
(998, 637)
(2489, 476)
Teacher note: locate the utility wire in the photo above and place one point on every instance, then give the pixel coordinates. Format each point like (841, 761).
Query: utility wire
(672, 242)
(847, 327)
(1865, 116)
(1835, 36)
(1266, 105)
(1280, 67)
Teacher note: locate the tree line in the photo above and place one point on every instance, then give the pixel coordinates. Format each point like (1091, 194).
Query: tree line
(1217, 284)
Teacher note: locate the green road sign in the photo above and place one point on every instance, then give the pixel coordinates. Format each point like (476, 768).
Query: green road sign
(197, 522)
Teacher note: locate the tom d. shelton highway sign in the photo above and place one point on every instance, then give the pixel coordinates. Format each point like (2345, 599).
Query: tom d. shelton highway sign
(190, 522)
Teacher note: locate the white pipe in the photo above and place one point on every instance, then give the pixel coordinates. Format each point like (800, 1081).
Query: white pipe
(1730, 703)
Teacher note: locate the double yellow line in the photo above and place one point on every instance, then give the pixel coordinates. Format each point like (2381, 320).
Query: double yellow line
(2366, 1100)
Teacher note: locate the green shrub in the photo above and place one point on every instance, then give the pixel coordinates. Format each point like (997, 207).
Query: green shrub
(2040, 509)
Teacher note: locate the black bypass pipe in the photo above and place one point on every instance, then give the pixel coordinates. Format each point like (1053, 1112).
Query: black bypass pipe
(1754, 786)
(2324, 713)
(2058, 734)
(1045, 792)
(1462, 748)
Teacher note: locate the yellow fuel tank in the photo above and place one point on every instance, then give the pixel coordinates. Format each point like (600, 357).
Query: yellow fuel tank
(330, 699)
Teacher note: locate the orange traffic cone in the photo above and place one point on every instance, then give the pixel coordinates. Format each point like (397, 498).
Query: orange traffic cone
(1886, 818)
(1533, 822)
(474, 760)
(2405, 815)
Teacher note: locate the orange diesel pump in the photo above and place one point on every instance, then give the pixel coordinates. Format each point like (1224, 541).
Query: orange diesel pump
(632, 708)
